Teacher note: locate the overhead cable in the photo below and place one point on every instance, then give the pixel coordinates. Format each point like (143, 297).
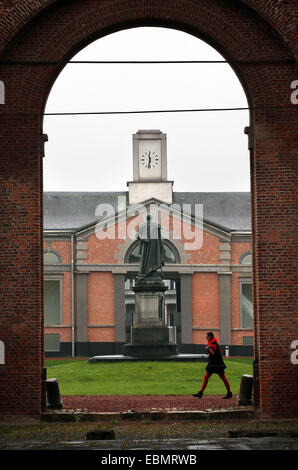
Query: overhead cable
(169, 111)
(144, 62)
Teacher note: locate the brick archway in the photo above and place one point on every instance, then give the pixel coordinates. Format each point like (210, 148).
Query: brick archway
(257, 38)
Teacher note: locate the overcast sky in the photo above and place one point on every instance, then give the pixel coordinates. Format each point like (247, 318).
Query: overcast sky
(206, 151)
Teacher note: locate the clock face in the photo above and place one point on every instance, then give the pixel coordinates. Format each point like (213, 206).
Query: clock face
(150, 159)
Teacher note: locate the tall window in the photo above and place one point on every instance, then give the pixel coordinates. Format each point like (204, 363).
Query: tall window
(52, 302)
(246, 305)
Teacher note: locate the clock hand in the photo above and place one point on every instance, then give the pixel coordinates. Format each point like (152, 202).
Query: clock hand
(149, 159)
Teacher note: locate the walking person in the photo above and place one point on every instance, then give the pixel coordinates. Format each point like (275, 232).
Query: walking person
(215, 365)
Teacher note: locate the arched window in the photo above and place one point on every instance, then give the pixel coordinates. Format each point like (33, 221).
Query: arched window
(51, 257)
(134, 256)
(169, 254)
(245, 258)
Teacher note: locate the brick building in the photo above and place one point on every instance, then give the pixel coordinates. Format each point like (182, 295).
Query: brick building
(91, 259)
(258, 38)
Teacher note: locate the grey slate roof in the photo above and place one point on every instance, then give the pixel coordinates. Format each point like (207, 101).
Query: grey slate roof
(230, 210)
(72, 210)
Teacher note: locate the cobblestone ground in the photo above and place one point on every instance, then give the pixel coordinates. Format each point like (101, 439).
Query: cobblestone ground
(148, 402)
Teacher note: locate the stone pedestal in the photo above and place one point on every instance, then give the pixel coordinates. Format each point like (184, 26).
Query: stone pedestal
(246, 388)
(53, 394)
(150, 336)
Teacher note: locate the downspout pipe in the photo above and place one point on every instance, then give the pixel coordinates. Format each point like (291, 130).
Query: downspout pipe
(72, 298)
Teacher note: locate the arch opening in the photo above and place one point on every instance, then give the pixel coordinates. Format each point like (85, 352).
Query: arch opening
(24, 112)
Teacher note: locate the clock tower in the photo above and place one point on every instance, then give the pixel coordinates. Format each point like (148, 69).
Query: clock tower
(150, 168)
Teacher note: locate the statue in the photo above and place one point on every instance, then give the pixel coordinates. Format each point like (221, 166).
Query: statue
(150, 335)
(151, 250)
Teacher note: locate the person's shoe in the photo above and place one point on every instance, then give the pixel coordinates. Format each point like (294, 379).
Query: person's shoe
(198, 395)
(228, 395)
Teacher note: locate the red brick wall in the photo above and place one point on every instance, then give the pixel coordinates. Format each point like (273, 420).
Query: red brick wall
(103, 251)
(208, 254)
(64, 249)
(205, 305)
(21, 322)
(235, 28)
(237, 249)
(64, 333)
(201, 246)
(101, 306)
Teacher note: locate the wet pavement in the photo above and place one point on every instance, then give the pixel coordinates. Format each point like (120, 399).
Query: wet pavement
(200, 449)
(188, 444)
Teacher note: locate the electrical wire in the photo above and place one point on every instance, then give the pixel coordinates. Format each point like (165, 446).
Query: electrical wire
(144, 62)
(169, 111)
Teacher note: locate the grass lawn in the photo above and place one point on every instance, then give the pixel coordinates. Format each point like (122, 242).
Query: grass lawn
(78, 377)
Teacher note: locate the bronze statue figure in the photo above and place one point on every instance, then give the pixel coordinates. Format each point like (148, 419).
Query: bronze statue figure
(151, 250)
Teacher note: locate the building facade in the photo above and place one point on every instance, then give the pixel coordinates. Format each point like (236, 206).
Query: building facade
(91, 259)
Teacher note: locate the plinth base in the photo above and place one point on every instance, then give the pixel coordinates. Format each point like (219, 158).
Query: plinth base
(172, 358)
(152, 341)
(160, 334)
(150, 350)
